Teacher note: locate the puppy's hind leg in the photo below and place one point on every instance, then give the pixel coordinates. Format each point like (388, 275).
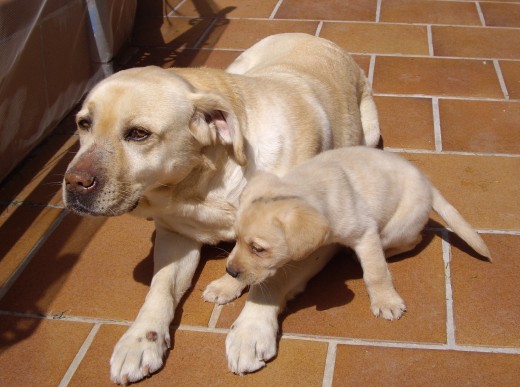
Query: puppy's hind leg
(384, 299)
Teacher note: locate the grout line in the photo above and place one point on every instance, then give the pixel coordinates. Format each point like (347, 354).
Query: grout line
(337, 21)
(371, 69)
(293, 336)
(400, 344)
(174, 9)
(456, 153)
(205, 33)
(14, 276)
(378, 11)
(215, 314)
(360, 53)
(330, 363)
(450, 97)
(430, 40)
(79, 356)
(437, 125)
(275, 10)
(480, 14)
(62, 317)
(318, 29)
(501, 78)
(446, 257)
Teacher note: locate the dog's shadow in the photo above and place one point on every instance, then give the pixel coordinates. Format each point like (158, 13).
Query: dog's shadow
(329, 288)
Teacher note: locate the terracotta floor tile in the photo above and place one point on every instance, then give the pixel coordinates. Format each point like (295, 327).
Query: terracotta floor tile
(483, 189)
(38, 179)
(363, 61)
(511, 73)
(476, 42)
(485, 295)
(38, 352)
(360, 366)
(501, 15)
(378, 38)
(433, 76)
(358, 10)
(335, 302)
(228, 8)
(21, 227)
(406, 122)
(480, 126)
(198, 359)
(171, 32)
(430, 12)
(241, 34)
(98, 267)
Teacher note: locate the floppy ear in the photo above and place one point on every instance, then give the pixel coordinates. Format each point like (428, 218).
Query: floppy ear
(305, 230)
(215, 122)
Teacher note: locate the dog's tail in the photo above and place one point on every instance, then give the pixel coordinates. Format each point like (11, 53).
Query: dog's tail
(458, 224)
(369, 119)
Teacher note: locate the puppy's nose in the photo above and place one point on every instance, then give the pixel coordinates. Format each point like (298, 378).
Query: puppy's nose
(80, 182)
(232, 272)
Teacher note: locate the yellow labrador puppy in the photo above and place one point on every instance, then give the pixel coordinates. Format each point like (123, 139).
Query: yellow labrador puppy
(179, 145)
(373, 201)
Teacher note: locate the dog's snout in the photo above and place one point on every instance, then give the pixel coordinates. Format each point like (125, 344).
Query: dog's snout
(232, 272)
(80, 182)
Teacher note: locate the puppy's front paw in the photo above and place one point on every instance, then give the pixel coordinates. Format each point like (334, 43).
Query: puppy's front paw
(138, 353)
(390, 306)
(223, 290)
(250, 344)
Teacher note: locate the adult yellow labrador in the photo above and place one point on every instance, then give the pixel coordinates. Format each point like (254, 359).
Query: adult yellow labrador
(179, 145)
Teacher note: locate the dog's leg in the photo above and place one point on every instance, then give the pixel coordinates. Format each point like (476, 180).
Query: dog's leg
(140, 350)
(385, 301)
(252, 338)
(223, 290)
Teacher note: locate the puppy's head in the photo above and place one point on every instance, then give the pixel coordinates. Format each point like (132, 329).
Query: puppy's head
(143, 129)
(271, 232)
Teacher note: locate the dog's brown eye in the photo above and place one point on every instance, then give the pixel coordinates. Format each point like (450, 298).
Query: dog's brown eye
(256, 248)
(137, 134)
(84, 123)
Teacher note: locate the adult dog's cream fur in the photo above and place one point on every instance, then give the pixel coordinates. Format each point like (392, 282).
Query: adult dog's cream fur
(370, 200)
(179, 145)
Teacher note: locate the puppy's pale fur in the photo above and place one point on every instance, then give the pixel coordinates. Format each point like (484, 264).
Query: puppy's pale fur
(179, 145)
(370, 200)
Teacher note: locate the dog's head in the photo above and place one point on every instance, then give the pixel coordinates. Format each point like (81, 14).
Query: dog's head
(271, 231)
(143, 129)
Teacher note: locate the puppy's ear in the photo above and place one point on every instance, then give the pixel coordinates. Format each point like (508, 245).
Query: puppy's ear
(305, 230)
(215, 122)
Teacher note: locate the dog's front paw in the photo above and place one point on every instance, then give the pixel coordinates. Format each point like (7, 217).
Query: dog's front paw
(223, 290)
(390, 306)
(250, 344)
(138, 353)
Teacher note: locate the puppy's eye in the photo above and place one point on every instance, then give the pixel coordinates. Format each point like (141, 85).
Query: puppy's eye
(257, 249)
(137, 134)
(84, 123)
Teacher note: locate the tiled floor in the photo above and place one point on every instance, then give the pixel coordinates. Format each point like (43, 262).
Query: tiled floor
(446, 76)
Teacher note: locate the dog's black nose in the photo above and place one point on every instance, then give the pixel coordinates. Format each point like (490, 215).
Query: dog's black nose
(231, 272)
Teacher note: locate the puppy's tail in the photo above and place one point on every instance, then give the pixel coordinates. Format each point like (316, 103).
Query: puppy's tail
(458, 224)
(369, 119)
